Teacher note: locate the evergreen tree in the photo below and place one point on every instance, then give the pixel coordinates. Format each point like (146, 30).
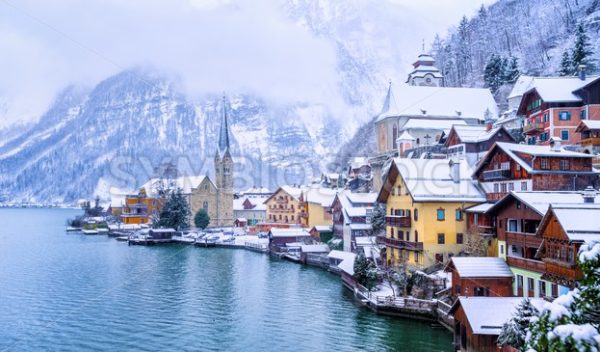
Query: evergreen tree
(566, 66)
(571, 321)
(511, 70)
(201, 219)
(494, 73)
(581, 52)
(378, 219)
(175, 213)
(514, 332)
(365, 272)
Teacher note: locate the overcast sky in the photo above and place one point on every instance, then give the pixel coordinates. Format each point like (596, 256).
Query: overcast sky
(214, 45)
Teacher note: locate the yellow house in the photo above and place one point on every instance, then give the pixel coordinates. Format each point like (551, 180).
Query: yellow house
(285, 206)
(316, 205)
(425, 201)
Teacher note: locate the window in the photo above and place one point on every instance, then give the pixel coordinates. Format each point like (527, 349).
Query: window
(416, 214)
(481, 291)
(503, 188)
(416, 257)
(519, 282)
(530, 285)
(582, 114)
(459, 215)
(441, 238)
(564, 164)
(416, 236)
(564, 115)
(205, 205)
(511, 225)
(501, 249)
(392, 232)
(441, 214)
(546, 118)
(524, 186)
(542, 288)
(292, 217)
(496, 188)
(545, 164)
(511, 187)
(459, 238)
(564, 135)
(401, 235)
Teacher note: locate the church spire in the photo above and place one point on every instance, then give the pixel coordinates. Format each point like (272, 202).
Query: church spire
(388, 97)
(224, 130)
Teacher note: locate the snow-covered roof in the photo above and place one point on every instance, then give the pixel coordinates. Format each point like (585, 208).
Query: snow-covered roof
(365, 240)
(290, 232)
(352, 203)
(511, 149)
(292, 191)
(359, 226)
(486, 315)
(258, 202)
(479, 208)
(441, 102)
(590, 124)
(361, 197)
(323, 228)
(314, 248)
(256, 190)
(522, 85)
(358, 161)
(320, 195)
(559, 89)
(405, 136)
(539, 201)
(186, 183)
(347, 260)
(431, 180)
(483, 267)
(428, 124)
(475, 133)
(579, 221)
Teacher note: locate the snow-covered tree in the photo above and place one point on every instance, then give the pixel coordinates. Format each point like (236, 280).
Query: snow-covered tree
(365, 272)
(175, 213)
(571, 321)
(582, 52)
(566, 66)
(493, 74)
(511, 70)
(378, 219)
(514, 331)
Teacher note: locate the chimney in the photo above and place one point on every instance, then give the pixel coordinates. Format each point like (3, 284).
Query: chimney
(589, 195)
(454, 170)
(582, 72)
(555, 144)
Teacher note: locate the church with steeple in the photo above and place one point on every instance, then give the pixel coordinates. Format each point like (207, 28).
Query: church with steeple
(217, 197)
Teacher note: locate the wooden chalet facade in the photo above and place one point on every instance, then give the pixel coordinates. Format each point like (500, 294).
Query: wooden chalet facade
(517, 167)
(554, 106)
(480, 277)
(471, 142)
(564, 229)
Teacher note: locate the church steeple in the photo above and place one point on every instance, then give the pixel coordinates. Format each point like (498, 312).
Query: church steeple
(424, 72)
(224, 130)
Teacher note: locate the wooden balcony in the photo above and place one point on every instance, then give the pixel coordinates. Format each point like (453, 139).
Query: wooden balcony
(400, 244)
(523, 238)
(496, 175)
(526, 264)
(397, 221)
(495, 196)
(563, 270)
(485, 230)
(592, 141)
(535, 127)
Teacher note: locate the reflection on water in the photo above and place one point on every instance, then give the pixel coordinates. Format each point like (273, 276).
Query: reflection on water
(72, 292)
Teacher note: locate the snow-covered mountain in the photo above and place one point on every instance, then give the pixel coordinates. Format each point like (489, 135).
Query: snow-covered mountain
(118, 132)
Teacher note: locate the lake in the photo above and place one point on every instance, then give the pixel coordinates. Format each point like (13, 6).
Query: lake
(71, 292)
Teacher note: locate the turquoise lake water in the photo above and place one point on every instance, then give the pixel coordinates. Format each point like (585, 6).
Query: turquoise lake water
(70, 292)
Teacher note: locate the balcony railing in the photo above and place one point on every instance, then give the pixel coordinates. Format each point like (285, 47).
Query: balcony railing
(534, 127)
(523, 238)
(397, 221)
(486, 230)
(526, 264)
(564, 270)
(401, 244)
(496, 175)
(494, 196)
(593, 141)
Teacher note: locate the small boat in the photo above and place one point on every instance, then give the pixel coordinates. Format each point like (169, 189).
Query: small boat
(123, 238)
(89, 231)
(102, 231)
(73, 229)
